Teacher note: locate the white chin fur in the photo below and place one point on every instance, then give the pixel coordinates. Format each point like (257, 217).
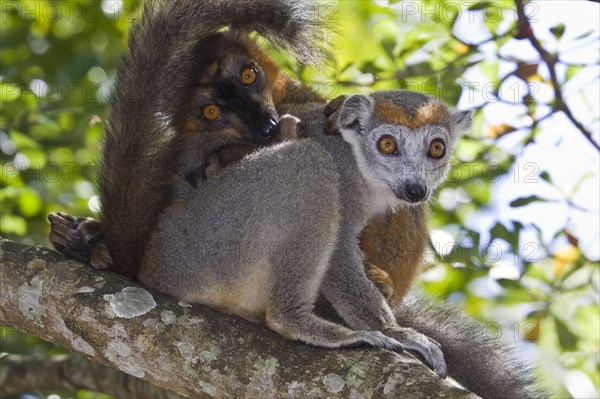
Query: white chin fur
(383, 201)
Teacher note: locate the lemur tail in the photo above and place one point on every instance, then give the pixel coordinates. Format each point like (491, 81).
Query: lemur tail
(140, 145)
(294, 25)
(476, 355)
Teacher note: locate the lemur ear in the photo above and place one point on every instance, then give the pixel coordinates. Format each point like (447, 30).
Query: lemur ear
(356, 112)
(461, 121)
(332, 114)
(333, 105)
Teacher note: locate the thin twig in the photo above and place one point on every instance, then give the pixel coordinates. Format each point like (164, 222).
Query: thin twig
(551, 60)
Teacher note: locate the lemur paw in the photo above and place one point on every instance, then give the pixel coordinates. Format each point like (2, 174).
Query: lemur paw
(288, 127)
(100, 257)
(78, 238)
(380, 340)
(429, 350)
(382, 280)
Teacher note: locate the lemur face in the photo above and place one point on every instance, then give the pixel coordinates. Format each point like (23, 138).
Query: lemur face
(402, 141)
(232, 97)
(237, 101)
(411, 162)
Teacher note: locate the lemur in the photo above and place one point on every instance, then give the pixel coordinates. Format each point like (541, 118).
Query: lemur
(187, 87)
(265, 250)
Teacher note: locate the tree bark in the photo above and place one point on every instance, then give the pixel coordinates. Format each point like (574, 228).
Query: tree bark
(191, 350)
(72, 373)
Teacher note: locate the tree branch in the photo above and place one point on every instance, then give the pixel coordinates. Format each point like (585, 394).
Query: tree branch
(191, 350)
(551, 60)
(70, 373)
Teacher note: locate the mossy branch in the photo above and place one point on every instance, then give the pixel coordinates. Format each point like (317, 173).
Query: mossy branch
(193, 351)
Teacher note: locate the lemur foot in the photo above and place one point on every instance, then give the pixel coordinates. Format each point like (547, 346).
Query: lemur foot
(421, 345)
(288, 127)
(79, 239)
(100, 258)
(382, 280)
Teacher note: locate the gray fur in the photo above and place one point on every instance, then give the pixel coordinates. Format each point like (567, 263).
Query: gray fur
(298, 208)
(142, 147)
(477, 356)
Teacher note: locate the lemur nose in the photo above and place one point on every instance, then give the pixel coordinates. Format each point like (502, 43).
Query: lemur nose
(415, 192)
(271, 129)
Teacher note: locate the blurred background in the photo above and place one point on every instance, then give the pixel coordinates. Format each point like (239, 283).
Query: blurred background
(515, 231)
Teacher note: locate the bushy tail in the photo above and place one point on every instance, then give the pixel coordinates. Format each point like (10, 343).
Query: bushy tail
(139, 148)
(475, 354)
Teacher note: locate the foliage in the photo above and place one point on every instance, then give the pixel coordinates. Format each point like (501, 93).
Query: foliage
(535, 276)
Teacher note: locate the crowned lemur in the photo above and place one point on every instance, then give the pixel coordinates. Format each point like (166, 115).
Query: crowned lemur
(263, 237)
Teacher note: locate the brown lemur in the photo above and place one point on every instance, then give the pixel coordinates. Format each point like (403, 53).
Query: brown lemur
(296, 236)
(184, 89)
(187, 87)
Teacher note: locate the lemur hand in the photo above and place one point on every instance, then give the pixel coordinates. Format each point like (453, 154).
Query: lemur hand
(288, 127)
(381, 279)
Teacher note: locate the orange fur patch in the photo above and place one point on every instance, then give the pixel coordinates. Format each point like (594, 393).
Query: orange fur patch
(229, 132)
(276, 79)
(191, 126)
(432, 113)
(280, 89)
(208, 75)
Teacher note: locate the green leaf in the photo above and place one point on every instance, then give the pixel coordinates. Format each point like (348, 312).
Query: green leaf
(22, 141)
(490, 71)
(370, 67)
(389, 44)
(566, 338)
(9, 92)
(558, 31)
(519, 202)
(545, 176)
(537, 314)
(92, 395)
(572, 71)
(13, 224)
(479, 191)
(510, 284)
(585, 316)
(510, 236)
(30, 203)
(478, 6)
(582, 179)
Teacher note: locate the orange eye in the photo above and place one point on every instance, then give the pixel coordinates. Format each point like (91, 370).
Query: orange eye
(437, 149)
(387, 145)
(211, 112)
(248, 76)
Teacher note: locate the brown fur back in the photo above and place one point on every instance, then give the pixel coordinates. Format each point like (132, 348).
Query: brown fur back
(396, 243)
